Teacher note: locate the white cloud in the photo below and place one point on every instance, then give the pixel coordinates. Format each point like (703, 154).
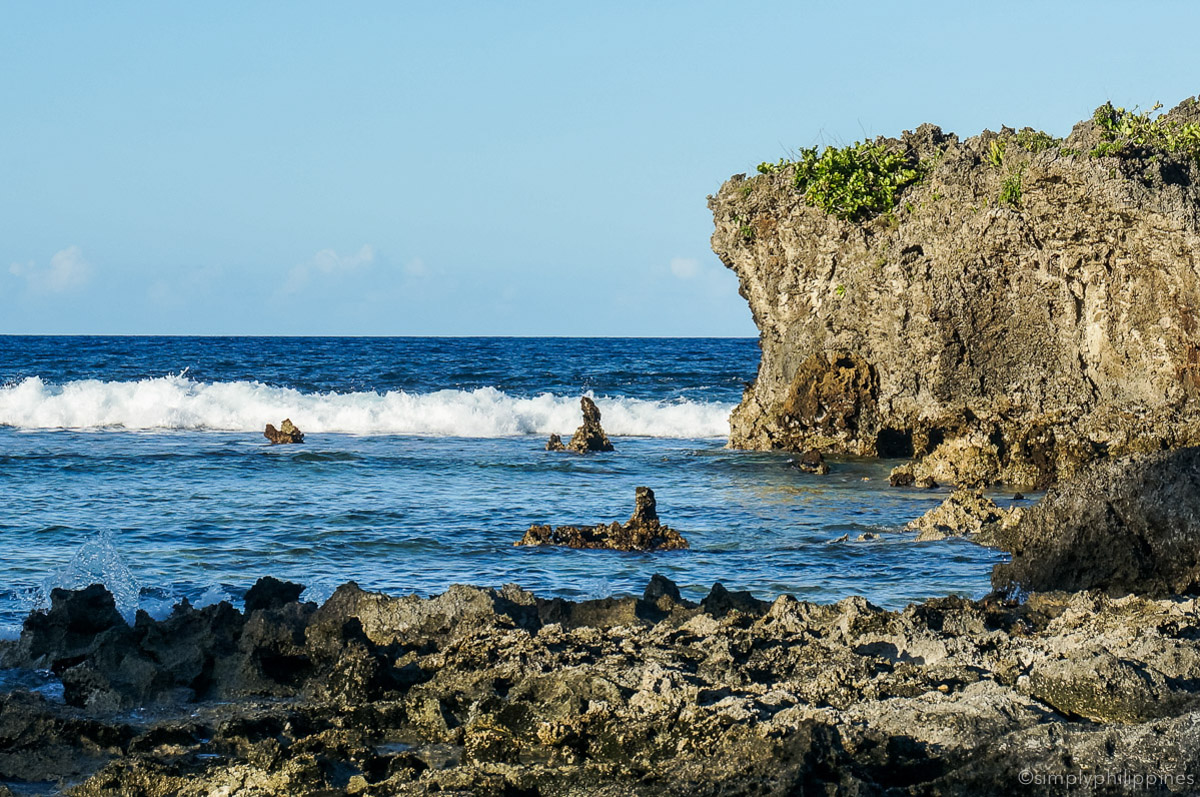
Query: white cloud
(416, 268)
(685, 268)
(328, 261)
(67, 271)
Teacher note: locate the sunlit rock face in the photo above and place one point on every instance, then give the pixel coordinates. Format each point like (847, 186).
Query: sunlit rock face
(998, 335)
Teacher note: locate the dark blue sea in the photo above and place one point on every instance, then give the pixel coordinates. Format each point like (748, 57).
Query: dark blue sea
(140, 462)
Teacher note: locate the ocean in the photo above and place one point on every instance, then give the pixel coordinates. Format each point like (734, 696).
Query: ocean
(139, 462)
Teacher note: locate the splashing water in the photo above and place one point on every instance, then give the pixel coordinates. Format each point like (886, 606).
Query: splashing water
(96, 562)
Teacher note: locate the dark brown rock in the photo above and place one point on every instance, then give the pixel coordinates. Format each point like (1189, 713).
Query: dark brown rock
(590, 436)
(642, 532)
(1124, 526)
(555, 443)
(271, 593)
(812, 462)
(901, 476)
(286, 433)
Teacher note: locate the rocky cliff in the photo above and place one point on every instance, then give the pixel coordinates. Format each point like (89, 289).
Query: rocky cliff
(1026, 305)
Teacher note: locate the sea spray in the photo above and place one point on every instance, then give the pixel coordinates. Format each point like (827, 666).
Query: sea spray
(96, 562)
(178, 402)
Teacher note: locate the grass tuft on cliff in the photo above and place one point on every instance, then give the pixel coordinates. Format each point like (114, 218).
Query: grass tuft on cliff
(853, 182)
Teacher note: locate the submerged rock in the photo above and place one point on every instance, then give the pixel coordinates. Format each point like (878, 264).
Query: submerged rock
(812, 462)
(590, 435)
(642, 532)
(286, 433)
(990, 324)
(1129, 525)
(555, 443)
(965, 513)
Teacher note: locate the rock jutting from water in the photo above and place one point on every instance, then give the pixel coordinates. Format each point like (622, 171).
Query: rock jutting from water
(590, 435)
(642, 532)
(286, 433)
(1023, 306)
(499, 692)
(966, 513)
(812, 462)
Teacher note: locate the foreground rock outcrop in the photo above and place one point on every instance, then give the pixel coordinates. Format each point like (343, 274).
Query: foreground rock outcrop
(487, 692)
(286, 433)
(1124, 526)
(642, 532)
(1028, 306)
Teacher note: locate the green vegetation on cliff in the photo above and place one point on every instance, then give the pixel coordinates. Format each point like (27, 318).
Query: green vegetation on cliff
(852, 183)
(1121, 129)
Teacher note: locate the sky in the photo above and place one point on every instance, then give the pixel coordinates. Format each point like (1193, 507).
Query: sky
(451, 168)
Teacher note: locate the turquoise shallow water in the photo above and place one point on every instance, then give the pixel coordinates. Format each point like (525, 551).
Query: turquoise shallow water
(162, 485)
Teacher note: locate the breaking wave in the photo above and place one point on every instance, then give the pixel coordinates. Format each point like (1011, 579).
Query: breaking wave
(177, 402)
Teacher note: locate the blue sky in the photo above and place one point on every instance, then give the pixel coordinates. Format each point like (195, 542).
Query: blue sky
(478, 168)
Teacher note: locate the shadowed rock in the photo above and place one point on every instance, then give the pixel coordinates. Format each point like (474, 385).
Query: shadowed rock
(555, 443)
(271, 593)
(642, 532)
(1122, 526)
(286, 433)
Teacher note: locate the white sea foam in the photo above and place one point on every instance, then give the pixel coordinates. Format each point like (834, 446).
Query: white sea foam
(177, 402)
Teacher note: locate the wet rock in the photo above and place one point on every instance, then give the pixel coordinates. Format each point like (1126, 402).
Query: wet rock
(901, 476)
(1124, 526)
(812, 462)
(720, 602)
(64, 634)
(555, 443)
(286, 433)
(965, 513)
(857, 354)
(642, 532)
(271, 593)
(590, 436)
(659, 587)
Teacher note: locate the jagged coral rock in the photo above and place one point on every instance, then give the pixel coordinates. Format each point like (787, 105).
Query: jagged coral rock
(286, 433)
(642, 532)
(590, 435)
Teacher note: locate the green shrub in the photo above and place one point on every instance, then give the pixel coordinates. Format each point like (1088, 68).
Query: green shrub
(1121, 129)
(852, 183)
(1010, 189)
(1036, 141)
(995, 154)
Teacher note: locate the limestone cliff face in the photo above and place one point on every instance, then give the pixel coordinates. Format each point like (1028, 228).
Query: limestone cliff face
(995, 341)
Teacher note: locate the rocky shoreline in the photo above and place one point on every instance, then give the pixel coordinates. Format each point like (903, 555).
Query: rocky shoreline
(499, 692)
